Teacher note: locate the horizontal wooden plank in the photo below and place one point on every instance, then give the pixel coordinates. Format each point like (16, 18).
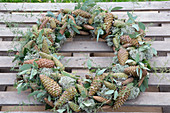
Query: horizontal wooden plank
(145, 99)
(151, 31)
(163, 5)
(161, 79)
(87, 46)
(81, 112)
(80, 62)
(149, 17)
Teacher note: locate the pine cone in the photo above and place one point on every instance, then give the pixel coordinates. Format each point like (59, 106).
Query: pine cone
(74, 106)
(42, 63)
(132, 71)
(81, 89)
(122, 56)
(125, 39)
(108, 21)
(119, 75)
(81, 13)
(67, 95)
(96, 84)
(51, 86)
(110, 85)
(121, 99)
(134, 42)
(102, 100)
(45, 48)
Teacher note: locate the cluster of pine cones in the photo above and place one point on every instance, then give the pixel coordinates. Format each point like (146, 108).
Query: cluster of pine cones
(68, 22)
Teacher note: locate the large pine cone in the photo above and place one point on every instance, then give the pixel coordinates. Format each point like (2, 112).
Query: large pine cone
(132, 70)
(121, 99)
(67, 95)
(42, 63)
(108, 21)
(51, 86)
(96, 84)
(122, 56)
(81, 13)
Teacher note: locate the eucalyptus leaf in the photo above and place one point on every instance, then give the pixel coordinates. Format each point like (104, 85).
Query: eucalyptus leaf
(75, 29)
(19, 88)
(109, 92)
(89, 65)
(50, 14)
(33, 93)
(141, 25)
(23, 72)
(154, 51)
(101, 72)
(61, 110)
(116, 95)
(140, 74)
(99, 32)
(137, 57)
(117, 8)
(25, 67)
(59, 17)
(33, 73)
(135, 26)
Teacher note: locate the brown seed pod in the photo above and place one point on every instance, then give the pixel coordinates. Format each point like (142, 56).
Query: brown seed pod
(105, 107)
(83, 33)
(63, 28)
(104, 36)
(50, 103)
(101, 99)
(89, 27)
(44, 23)
(127, 81)
(127, 45)
(141, 81)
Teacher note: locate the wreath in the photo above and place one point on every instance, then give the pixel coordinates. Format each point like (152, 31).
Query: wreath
(41, 71)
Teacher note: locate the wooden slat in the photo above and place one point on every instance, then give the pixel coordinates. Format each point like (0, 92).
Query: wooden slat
(81, 112)
(142, 17)
(75, 62)
(87, 46)
(161, 79)
(163, 5)
(151, 32)
(145, 99)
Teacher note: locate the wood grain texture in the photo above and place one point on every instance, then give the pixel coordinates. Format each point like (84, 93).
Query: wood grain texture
(151, 32)
(147, 17)
(163, 5)
(80, 62)
(87, 46)
(145, 99)
(161, 79)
